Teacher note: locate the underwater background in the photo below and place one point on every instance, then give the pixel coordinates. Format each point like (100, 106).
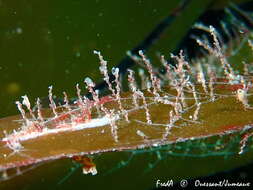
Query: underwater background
(51, 42)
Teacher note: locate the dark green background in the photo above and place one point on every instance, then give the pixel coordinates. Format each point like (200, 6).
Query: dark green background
(47, 42)
(51, 42)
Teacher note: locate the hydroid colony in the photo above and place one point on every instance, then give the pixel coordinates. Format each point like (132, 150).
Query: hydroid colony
(187, 102)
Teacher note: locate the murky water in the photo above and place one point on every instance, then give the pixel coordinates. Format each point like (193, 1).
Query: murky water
(49, 42)
(52, 42)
